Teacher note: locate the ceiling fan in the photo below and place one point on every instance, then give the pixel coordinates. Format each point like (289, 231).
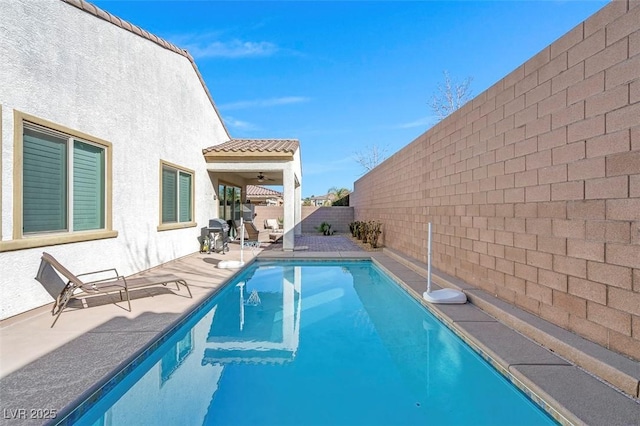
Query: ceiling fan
(261, 177)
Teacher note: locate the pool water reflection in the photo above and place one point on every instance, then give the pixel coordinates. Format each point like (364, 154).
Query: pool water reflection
(314, 343)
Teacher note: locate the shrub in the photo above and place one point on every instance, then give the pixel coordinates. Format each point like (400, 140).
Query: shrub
(374, 229)
(325, 228)
(352, 228)
(368, 232)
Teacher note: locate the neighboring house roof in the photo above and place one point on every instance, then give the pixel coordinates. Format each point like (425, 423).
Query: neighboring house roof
(270, 148)
(261, 191)
(327, 196)
(102, 14)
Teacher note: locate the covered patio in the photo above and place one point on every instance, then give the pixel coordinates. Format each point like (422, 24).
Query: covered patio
(242, 162)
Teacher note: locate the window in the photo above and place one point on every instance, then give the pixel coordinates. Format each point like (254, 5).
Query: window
(176, 197)
(62, 188)
(175, 357)
(230, 204)
(63, 183)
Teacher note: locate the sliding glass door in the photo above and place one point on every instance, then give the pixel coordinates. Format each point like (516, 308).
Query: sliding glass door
(230, 204)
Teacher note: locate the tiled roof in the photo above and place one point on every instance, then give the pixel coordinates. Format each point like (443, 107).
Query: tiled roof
(321, 197)
(102, 14)
(255, 190)
(256, 145)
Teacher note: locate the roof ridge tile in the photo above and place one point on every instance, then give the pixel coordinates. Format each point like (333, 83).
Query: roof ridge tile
(256, 145)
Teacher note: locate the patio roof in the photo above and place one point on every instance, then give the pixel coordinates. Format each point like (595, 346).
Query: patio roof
(243, 162)
(272, 149)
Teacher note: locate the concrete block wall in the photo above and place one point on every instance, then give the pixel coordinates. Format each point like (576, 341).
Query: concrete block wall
(338, 217)
(312, 217)
(533, 187)
(267, 212)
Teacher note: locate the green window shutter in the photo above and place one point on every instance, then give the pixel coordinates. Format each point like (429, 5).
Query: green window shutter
(169, 196)
(44, 179)
(88, 187)
(185, 197)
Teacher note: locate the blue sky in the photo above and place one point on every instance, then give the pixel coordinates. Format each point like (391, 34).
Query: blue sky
(342, 76)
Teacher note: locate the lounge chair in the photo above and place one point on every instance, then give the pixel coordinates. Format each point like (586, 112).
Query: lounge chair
(78, 288)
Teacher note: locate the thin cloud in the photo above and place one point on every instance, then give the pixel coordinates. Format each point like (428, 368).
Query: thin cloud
(421, 122)
(261, 103)
(209, 45)
(239, 124)
(232, 49)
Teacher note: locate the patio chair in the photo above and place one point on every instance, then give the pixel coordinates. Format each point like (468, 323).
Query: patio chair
(272, 225)
(275, 232)
(110, 282)
(251, 236)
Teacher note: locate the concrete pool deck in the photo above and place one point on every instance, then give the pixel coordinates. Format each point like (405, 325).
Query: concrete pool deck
(43, 368)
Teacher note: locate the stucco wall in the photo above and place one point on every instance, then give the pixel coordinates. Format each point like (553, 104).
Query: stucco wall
(66, 66)
(533, 187)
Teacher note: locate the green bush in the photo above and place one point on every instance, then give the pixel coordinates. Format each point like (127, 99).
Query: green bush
(325, 228)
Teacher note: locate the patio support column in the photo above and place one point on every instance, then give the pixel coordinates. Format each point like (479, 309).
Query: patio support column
(298, 210)
(288, 239)
(288, 308)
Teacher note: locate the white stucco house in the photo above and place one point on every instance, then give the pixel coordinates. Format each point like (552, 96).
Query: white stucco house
(109, 153)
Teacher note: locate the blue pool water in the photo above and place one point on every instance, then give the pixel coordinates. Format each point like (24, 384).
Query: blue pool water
(313, 343)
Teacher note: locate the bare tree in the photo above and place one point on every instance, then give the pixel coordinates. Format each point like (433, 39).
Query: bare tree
(371, 156)
(450, 95)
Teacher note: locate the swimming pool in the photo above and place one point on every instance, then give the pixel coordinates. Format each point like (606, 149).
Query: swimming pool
(312, 343)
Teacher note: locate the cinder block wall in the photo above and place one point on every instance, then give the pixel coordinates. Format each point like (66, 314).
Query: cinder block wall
(533, 187)
(338, 217)
(312, 217)
(267, 212)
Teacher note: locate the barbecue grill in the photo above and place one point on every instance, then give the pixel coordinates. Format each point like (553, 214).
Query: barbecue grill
(218, 236)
